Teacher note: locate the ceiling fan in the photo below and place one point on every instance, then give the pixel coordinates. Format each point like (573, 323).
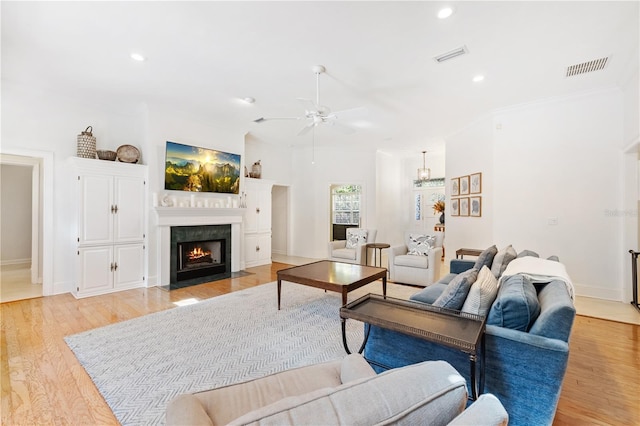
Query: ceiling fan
(316, 114)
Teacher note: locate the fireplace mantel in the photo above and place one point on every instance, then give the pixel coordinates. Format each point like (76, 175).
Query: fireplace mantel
(189, 216)
(179, 216)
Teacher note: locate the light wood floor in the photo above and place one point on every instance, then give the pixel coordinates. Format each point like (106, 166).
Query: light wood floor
(43, 383)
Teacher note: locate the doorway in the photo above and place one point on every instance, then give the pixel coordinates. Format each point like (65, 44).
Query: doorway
(26, 259)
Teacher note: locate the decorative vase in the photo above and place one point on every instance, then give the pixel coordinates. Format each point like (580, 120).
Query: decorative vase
(442, 218)
(87, 144)
(256, 170)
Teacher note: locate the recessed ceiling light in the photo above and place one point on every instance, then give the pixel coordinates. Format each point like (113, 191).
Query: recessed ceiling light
(445, 12)
(478, 78)
(249, 100)
(138, 57)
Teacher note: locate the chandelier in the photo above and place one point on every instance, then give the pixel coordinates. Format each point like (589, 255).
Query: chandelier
(424, 174)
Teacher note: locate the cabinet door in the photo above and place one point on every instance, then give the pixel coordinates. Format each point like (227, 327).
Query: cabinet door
(129, 217)
(94, 269)
(264, 248)
(129, 262)
(264, 217)
(95, 213)
(252, 213)
(251, 249)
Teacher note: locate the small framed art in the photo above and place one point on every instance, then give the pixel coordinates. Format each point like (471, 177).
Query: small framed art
(455, 207)
(464, 206)
(464, 185)
(475, 204)
(476, 183)
(455, 187)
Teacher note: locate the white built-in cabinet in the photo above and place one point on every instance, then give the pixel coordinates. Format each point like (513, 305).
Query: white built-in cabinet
(257, 222)
(111, 226)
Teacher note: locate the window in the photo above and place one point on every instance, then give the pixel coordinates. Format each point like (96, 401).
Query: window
(345, 201)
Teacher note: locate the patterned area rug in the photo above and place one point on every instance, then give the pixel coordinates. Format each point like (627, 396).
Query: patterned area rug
(141, 364)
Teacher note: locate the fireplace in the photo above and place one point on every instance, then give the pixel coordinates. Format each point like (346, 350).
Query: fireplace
(199, 254)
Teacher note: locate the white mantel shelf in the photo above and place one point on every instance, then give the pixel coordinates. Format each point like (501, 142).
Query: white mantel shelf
(169, 214)
(187, 216)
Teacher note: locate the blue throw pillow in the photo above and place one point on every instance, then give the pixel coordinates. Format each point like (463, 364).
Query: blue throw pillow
(486, 258)
(430, 293)
(516, 305)
(454, 295)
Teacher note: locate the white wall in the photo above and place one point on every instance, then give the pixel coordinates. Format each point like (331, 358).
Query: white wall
(275, 159)
(557, 160)
(310, 193)
(15, 210)
(471, 151)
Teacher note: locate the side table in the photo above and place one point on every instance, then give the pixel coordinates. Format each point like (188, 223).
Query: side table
(458, 330)
(375, 246)
(471, 252)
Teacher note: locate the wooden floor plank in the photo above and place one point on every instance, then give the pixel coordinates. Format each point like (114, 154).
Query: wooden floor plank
(43, 382)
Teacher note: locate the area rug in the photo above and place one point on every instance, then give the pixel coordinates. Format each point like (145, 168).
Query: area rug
(141, 364)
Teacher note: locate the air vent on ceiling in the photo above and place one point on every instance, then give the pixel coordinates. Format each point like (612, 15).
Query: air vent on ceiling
(452, 54)
(585, 67)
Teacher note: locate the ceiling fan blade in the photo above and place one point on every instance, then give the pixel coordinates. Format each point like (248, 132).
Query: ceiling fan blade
(346, 114)
(307, 128)
(341, 127)
(262, 119)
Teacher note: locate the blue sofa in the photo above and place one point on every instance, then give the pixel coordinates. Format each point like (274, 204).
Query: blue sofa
(524, 368)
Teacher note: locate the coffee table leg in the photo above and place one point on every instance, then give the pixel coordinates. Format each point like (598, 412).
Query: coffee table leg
(279, 289)
(384, 286)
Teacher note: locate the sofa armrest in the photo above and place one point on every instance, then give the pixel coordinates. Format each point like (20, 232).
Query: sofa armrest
(486, 410)
(457, 266)
(397, 251)
(187, 410)
(334, 245)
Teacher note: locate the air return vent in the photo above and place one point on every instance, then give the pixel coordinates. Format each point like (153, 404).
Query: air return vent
(452, 54)
(585, 67)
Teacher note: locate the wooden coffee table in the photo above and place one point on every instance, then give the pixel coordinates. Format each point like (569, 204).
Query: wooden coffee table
(333, 276)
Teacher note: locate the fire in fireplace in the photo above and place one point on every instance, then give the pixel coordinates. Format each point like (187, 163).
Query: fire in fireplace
(199, 254)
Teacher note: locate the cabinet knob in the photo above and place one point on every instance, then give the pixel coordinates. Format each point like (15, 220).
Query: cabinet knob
(257, 248)
(257, 209)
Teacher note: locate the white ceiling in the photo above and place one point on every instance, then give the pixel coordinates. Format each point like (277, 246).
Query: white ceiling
(203, 56)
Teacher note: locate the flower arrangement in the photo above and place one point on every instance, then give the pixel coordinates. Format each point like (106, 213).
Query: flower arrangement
(438, 207)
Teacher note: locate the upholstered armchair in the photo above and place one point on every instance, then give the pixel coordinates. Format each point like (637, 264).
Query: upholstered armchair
(418, 260)
(353, 249)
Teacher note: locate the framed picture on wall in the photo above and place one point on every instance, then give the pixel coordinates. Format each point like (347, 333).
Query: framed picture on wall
(476, 183)
(464, 185)
(464, 206)
(455, 187)
(455, 207)
(475, 204)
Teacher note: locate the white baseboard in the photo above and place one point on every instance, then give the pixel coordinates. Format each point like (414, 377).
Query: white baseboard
(598, 292)
(16, 262)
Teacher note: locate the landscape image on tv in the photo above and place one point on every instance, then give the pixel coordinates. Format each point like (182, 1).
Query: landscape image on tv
(195, 169)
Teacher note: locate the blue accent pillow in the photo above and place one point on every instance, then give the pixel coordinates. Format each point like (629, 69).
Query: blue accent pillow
(486, 258)
(430, 293)
(516, 305)
(454, 295)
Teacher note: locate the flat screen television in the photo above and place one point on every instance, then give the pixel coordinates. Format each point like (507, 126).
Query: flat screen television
(195, 169)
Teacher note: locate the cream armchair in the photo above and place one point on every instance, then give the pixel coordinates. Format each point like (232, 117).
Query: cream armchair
(339, 252)
(416, 269)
